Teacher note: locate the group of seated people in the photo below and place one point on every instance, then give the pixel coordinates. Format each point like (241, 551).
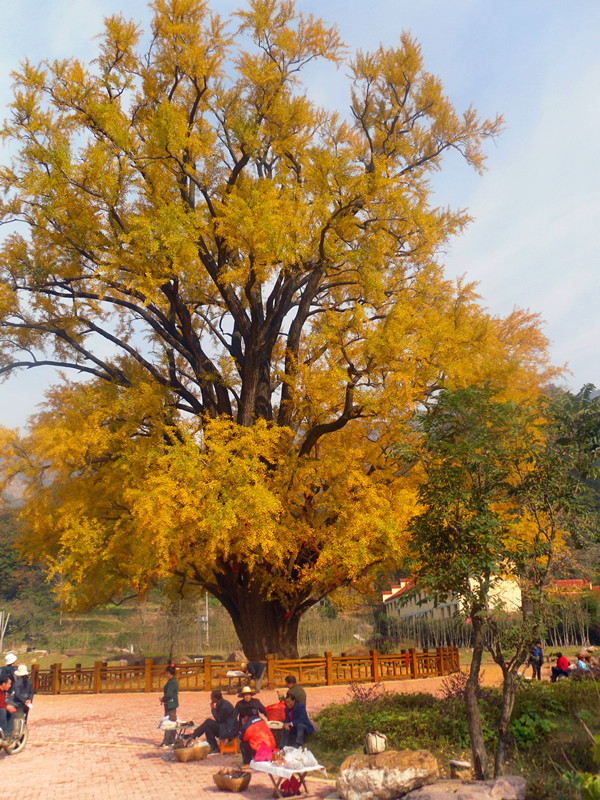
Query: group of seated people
(16, 693)
(247, 721)
(563, 669)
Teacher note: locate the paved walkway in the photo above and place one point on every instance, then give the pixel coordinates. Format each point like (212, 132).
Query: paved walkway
(103, 747)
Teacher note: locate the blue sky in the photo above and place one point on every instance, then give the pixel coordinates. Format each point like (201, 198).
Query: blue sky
(535, 237)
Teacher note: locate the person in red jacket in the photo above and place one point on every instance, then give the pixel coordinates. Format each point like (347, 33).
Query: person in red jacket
(561, 668)
(7, 709)
(255, 732)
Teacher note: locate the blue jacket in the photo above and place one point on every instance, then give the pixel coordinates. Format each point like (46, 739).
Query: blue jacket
(298, 716)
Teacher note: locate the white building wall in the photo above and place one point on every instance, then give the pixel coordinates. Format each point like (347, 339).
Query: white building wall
(506, 593)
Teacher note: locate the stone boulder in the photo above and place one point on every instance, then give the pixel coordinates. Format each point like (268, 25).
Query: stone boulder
(385, 776)
(507, 787)
(237, 656)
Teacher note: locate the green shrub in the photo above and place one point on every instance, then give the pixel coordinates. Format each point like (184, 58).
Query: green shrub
(547, 739)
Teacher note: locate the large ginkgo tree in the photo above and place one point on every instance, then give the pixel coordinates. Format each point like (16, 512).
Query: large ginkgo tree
(242, 291)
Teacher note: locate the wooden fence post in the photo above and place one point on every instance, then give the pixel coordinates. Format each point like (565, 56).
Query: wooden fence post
(270, 669)
(148, 675)
(441, 662)
(97, 677)
(207, 675)
(35, 676)
(55, 678)
(375, 666)
(329, 669)
(413, 663)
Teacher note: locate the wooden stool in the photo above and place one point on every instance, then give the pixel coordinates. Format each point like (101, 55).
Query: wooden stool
(232, 747)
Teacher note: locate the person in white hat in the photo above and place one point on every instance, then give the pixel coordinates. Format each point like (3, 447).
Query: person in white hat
(10, 660)
(249, 706)
(23, 689)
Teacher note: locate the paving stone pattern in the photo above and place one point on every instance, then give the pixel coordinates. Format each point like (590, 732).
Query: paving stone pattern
(104, 747)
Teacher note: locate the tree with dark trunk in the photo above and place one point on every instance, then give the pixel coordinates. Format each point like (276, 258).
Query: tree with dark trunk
(245, 285)
(478, 748)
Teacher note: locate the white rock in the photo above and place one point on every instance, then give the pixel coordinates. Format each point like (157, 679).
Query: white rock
(385, 776)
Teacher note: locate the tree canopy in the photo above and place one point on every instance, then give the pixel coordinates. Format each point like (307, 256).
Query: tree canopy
(247, 288)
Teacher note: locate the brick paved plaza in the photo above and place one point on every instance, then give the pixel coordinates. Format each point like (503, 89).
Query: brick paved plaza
(103, 747)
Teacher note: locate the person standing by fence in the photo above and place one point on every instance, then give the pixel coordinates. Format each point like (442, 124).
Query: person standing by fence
(256, 670)
(170, 701)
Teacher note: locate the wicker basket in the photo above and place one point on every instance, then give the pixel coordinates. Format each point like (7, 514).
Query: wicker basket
(193, 752)
(232, 780)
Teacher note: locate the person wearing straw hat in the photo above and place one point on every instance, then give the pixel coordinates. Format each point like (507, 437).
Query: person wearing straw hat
(23, 689)
(249, 706)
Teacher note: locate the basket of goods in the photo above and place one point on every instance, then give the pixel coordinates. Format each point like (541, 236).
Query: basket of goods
(190, 751)
(232, 780)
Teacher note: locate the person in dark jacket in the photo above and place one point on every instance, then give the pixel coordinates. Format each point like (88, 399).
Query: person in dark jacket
(295, 690)
(296, 723)
(256, 670)
(10, 666)
(170, 701)
(224, 724)
(248, 705)
(536, 659)
(23, 689)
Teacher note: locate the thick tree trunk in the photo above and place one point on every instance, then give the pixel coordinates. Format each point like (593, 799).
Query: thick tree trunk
(480, 758)
(508, 701)
(264, 626)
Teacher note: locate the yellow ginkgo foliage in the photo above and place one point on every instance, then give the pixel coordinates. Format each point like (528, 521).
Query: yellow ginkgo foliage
(249, 284)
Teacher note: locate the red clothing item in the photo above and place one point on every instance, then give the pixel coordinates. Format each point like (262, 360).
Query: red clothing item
(2, 699)
(563, 663)
(259, 733)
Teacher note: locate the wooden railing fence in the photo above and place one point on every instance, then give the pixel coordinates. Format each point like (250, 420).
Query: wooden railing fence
(211, 674)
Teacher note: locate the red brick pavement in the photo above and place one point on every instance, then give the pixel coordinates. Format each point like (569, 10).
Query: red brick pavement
(103, 747)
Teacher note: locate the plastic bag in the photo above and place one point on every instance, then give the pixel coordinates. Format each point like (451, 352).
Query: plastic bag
(299, 758)
(264, 753)
(276, 712)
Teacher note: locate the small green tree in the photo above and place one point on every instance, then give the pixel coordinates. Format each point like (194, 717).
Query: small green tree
(505, 490)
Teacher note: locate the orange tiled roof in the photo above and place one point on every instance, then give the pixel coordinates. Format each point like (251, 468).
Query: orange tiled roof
(397, 590)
